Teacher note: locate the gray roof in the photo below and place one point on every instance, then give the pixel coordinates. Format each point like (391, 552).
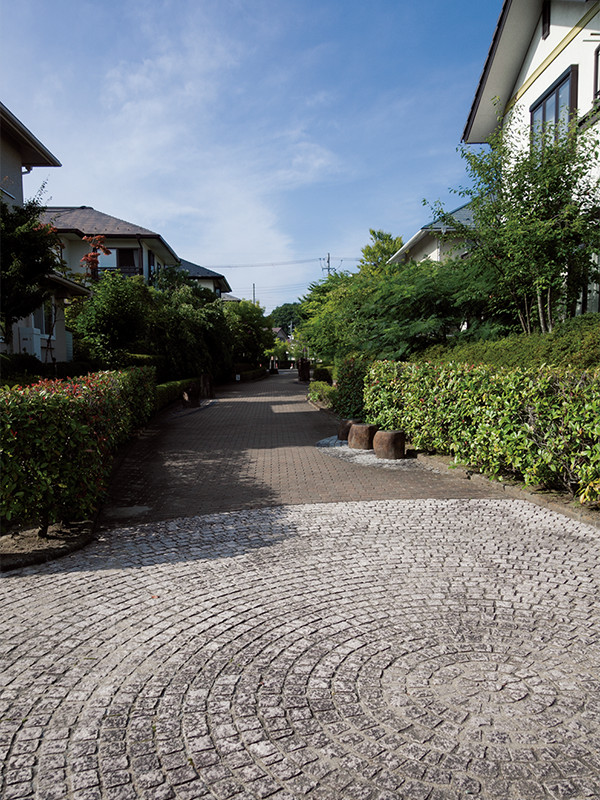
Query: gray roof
(463, 214)
(86, 221)
(196, 271)
(90, 222)
(33, 152)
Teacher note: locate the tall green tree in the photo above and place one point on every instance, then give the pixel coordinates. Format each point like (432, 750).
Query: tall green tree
(250, 330)
(114, 318)
(30, 251)
(377, 253)
(287, 316)
(536, 221)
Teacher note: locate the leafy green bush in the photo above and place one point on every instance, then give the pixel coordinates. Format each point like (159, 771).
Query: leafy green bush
(323, 374)
(20, 364)
(253, 374)
(57, 440)
(322, 392)
(542, 425)
(113, 318)
(167, 393)
(575, 342)
(350, 384)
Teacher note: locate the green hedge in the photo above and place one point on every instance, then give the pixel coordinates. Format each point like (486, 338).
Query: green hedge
(57, 440)
(323, 374)
(541, 425)
(253, 374)
(350, 377)
(575, 342)
(167, 393)
(322, 392)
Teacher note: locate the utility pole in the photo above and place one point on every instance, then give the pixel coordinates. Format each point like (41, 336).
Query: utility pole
(253, 294)
(327, 269)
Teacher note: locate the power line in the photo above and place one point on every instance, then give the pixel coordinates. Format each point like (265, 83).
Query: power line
(280, 263)
(269, 264)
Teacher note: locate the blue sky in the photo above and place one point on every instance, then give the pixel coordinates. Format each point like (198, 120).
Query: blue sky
(249, 132)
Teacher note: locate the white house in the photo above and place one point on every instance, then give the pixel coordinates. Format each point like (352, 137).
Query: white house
(428, 242)
(543, 66)
(42, 333)
(206, 278)
(134, 250)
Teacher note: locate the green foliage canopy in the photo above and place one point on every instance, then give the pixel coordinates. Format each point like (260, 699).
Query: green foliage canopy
(287, 316)
(29, 253)
(251, 332)
(536, 222)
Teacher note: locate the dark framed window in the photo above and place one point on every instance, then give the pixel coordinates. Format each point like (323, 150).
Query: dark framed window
(597, 73)
(127, 260)
(554, 110)
(546, 19)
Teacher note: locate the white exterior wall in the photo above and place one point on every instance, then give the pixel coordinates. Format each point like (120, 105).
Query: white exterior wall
(205, 283)
(75, 249)
(430, 247)
(547, 59)
(11, 181)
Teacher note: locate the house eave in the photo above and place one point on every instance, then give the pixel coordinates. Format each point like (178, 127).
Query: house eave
(33, 152)
(418, 236)
(67, 287)
(515, 28)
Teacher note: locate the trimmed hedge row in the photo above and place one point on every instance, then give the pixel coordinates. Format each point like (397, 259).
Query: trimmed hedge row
(58, 437)
(541, 425)
(350, 377)
(167, 393)
(575, 342)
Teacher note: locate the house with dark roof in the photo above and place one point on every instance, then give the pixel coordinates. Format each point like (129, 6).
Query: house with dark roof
(428, 242)
(206, 278)
(42, 333)
(135, 250)
(542, 69)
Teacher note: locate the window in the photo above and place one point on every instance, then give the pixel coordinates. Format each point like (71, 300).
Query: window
(553, 111)
(128, 260)
(597, 74)
(545, 19)
(43, 318)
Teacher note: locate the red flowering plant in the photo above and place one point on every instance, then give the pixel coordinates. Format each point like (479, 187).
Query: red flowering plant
(58, 438)
(91, 260)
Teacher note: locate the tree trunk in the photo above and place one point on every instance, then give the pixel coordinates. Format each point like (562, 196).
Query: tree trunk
(549, 310)
(540, 306)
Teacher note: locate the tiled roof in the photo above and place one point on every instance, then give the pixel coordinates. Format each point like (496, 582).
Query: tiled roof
(91, 222)
(463, 215)
(196, 271)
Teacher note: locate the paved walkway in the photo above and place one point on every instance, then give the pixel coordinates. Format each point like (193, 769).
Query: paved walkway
(432, 640)
(254, 447)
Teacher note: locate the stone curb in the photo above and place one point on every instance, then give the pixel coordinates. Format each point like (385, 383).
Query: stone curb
(10, 561)
(554, 501)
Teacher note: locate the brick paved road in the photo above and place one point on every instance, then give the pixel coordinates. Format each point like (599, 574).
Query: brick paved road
(395, 648)
(254, 447)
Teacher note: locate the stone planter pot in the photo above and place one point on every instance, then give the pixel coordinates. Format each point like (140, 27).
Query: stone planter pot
(390, 444)
(361, 436)
(344, 428)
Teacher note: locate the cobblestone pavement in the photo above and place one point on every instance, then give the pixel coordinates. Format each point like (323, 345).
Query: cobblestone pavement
(413, 647)
(392, 649)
